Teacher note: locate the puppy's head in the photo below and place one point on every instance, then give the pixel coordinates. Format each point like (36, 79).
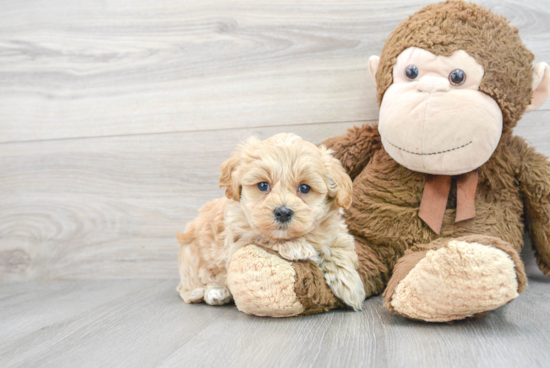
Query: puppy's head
(285, 185)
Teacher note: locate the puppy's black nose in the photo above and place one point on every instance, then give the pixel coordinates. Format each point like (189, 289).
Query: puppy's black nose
(283, 214)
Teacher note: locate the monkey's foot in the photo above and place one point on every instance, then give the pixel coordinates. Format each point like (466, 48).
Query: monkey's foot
(461, 279)
(264, 284)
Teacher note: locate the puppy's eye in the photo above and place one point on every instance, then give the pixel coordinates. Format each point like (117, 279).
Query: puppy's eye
(457, 77)
(263, 186)
(304, 189)
(411, 72)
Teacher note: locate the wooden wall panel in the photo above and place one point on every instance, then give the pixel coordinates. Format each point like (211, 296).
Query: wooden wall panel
(99, 68)
(114, 115)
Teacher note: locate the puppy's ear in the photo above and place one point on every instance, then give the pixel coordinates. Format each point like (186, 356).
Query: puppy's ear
(227, 179)
(339, 182)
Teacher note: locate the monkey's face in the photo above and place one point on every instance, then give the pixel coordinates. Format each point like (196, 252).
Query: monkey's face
(434, 119)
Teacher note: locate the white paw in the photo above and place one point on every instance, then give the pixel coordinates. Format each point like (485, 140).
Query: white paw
(194, 296)
(299, 250)
(217, 296)
(347, 286)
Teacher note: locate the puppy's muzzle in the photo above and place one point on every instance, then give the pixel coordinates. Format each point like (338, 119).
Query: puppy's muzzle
(283, 214)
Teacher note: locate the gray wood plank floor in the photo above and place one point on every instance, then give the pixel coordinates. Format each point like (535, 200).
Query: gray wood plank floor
(144, 323)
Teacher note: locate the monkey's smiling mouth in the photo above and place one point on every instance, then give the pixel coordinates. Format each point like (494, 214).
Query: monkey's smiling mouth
(430, 153)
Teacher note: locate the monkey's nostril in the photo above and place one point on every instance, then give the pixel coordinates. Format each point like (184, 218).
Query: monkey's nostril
(283, 214)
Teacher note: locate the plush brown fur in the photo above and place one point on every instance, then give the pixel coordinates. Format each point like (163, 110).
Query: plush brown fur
(535, 189)
(513, 183)
(311, 289)
(455, 25)
(384, 214)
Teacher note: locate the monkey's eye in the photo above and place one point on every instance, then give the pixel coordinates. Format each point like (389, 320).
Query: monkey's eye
(304, 189)
(457, 77)
(411, 72)
(263, 186)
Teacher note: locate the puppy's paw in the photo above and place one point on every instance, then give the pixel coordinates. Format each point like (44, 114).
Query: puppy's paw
(346, 285)
(191, 296)
(298, 250)
(195, 296)
(217, 295)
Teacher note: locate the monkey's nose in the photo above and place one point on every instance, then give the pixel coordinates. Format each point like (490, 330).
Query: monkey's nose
(433, 84)
(283, 214)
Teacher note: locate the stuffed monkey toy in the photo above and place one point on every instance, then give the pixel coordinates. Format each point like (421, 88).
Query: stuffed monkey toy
(442, 189)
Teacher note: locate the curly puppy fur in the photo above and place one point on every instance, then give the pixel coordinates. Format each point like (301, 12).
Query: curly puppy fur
(316, 230)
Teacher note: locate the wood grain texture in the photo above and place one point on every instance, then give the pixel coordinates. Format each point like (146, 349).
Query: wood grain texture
(144, 323)
(101, 68)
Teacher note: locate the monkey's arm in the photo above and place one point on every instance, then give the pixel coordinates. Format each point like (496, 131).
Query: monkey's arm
(535, 188)
(355, 148)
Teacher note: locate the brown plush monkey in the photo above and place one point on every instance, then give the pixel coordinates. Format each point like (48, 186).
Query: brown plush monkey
(442, 189)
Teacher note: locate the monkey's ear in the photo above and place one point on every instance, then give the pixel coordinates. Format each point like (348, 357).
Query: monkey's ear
(228, 180)
(339, 182)
(541, 86)
(374, 61)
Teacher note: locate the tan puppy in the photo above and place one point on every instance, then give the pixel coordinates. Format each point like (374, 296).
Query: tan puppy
(282, 193)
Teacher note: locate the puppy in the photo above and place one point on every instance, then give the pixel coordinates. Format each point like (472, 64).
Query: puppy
(282, 193)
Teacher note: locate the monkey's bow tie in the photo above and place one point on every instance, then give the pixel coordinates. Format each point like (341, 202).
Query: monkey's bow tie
(436, 194)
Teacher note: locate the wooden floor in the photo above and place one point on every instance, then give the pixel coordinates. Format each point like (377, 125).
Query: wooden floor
(144, 323)
(114, 117)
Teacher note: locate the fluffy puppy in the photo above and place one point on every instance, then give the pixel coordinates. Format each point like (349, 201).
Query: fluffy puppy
(282, 193)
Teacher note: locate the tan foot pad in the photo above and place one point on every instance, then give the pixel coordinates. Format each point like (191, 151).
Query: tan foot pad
(263, 284)
(455, 282)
